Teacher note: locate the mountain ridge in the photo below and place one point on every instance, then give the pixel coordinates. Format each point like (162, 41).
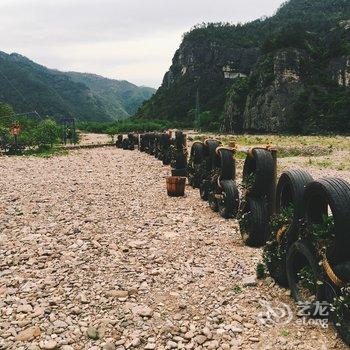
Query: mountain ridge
(260, 76)
(27, 85)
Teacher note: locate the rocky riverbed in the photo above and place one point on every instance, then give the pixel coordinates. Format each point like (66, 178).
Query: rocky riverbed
(94, 255)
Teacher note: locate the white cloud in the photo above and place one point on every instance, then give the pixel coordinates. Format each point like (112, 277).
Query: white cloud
(133, 40)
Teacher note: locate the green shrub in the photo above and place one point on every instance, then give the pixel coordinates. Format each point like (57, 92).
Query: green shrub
(46, 133)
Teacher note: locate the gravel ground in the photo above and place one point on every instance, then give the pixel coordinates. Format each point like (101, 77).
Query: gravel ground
(91, 139)
(94, 255)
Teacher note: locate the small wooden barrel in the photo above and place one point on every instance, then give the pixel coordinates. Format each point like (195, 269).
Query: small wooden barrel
(175, 186)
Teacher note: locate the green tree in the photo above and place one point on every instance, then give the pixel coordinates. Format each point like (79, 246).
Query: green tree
(6, 113)
(46, 133)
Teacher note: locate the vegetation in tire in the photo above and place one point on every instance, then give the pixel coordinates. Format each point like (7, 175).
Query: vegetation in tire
(340, 308)
(275, 250)
(321, 235)
(244, 218)
(248, 183)
(306, 283)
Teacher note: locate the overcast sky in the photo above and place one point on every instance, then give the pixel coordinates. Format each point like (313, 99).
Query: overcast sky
(122, 39)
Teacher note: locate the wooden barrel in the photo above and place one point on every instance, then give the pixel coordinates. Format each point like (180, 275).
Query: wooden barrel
(175, 186)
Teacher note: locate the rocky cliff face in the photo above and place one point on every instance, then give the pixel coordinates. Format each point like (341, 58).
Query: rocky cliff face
(287, 78)
(203, 68)
(339, 69)
(290, 72)
(271, 110)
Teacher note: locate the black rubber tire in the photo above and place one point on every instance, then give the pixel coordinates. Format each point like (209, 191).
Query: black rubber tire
(179, 172)
(254, 235)
(142, 143)
(151, 143)
(180, 140)
(190, 178)
(290, 190)
(196, 158)
(213, 202)
(164, 147)
(227, 165)
(119, 142)
(166, 160)
(300, 254)
(228, 207)
(261, 165)
(197, 176)
(204, 190)
(342, 271)
(197, 153)
(180, 160)
(125, 144)
(335, 194)
(213, 160)
(340, 320)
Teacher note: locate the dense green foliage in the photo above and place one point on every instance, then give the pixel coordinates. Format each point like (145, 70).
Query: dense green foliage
(28, 86)
(128, 125)
(137, 125)
(94, 127)
(312, 27)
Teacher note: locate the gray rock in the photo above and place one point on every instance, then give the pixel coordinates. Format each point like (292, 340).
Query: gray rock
(93, 333)
(249, 281)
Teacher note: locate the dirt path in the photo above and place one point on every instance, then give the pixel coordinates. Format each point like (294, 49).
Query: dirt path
(90, 242)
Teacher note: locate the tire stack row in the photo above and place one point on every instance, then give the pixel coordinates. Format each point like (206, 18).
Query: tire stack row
(127, 143)
(212, 169)
(309, 249)
(258, 176)
(306, 238)
(158, 145)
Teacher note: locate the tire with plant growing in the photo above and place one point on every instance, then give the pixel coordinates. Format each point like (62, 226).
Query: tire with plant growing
(258, 172)
(284, 225)
(327, 208)
(305, 277)
(229, 204)
(339, 297)
(253, 221)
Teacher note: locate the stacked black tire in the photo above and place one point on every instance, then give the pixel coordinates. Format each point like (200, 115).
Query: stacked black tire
(157, 144)
(326, 257)
(284, 231)
(195, 164)
(258, 176)
(127, 143)
(119, 142)
(165, 148)
(212, 169)
(210, 165)
(223, 193)
(142, 142)
(310, 252)
(179, 155)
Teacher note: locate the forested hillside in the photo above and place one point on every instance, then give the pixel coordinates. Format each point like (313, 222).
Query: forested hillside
(289, 72)
(119, 96)
(28, 86)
